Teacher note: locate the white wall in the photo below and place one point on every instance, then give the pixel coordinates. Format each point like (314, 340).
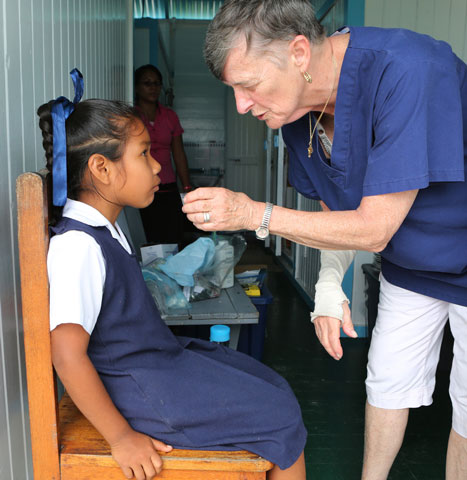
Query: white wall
(445, 20)
(199, 97)
(40, 42)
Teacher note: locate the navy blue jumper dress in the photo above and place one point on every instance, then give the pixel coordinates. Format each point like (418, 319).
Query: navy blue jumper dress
(186, 392)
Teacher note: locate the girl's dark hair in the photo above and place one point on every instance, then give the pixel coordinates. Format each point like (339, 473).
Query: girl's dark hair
(95, 126)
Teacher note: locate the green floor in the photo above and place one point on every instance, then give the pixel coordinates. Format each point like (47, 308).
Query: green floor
(332, 397)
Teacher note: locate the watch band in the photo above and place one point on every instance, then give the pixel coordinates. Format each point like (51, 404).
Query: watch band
(262, 232)
(267, 215)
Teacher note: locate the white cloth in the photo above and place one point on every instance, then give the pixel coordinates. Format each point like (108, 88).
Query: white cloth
(329, 295)
(76, 269)
(405, 348)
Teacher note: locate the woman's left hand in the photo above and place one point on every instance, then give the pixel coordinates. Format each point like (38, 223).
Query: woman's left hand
(328, 331)
(215, 208)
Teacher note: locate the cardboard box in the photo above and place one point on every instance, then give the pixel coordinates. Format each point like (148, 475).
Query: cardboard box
(247, 275)
(161, 250)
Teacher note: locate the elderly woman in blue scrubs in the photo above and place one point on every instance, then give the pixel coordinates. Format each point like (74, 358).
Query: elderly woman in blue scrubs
(375, 122)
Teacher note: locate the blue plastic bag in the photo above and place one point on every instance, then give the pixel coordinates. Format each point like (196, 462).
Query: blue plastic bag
(165, 291)
(193, 259)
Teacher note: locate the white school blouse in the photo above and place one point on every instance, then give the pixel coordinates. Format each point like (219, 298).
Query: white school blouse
(76, 269)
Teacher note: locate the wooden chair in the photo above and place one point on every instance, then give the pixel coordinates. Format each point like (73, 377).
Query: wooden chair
(64, 444)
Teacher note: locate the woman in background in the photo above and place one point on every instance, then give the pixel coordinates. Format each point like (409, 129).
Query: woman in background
(165, 131)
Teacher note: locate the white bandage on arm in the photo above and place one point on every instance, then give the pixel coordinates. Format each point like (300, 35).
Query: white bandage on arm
(329, 295)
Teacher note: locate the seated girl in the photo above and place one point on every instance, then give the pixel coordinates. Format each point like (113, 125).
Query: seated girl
(128, 374)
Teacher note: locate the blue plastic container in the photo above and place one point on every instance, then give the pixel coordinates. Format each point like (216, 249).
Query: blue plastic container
(220, 334)
(251, 340)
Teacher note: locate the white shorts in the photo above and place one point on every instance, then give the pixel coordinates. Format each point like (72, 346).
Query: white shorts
(405, 348)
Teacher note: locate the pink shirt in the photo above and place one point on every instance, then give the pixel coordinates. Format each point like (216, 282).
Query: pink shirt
(162, 131)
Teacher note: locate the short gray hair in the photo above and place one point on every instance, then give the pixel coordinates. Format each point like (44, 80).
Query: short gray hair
(265, 21)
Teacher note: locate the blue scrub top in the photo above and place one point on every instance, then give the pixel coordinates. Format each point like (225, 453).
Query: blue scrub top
(401, 101)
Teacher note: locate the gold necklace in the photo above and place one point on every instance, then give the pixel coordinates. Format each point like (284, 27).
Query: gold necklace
(312, 132)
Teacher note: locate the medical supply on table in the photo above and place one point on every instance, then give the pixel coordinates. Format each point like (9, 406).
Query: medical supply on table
(161, 250)
(223, 273)
(220, 334)
(204, 267)
(252, 290)
(166, 292)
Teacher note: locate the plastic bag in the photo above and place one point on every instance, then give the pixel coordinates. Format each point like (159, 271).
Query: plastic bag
(205, 267)
(165, 291)
(201, 290)
(194, 258)
(228, 251)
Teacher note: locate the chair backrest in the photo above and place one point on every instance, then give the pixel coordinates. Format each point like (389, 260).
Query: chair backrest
(32, 192)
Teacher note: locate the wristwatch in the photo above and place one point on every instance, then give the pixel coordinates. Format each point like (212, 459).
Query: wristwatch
(262, 232)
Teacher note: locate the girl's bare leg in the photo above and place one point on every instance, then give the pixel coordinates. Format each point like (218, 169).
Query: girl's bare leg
(295, 472)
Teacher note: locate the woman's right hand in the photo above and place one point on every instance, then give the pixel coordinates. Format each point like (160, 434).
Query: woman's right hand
(216, 208)
(328, 331)
(137, 455)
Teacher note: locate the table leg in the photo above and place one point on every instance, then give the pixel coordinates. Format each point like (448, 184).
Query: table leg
(234, 336)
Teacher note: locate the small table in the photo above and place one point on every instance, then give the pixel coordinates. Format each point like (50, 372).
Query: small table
(233, 307)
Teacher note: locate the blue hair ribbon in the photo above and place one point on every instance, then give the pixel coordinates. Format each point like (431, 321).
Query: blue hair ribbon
(62, 108)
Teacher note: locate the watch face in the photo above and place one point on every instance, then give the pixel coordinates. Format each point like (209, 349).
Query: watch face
(262, 233)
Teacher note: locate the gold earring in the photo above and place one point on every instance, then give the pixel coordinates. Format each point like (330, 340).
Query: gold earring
(307, 76)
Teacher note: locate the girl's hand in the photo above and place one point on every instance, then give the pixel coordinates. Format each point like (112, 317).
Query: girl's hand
(226, 210)
(328, 331)
(136, 454)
